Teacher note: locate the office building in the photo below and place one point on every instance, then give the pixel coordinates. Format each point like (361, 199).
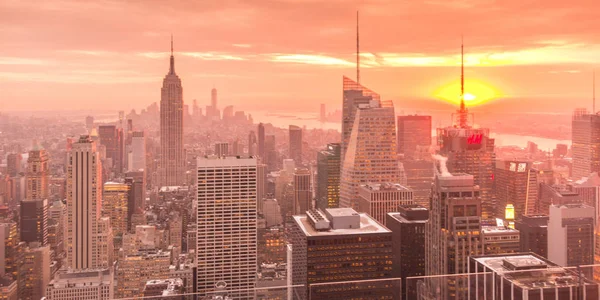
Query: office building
(533, 234)
(11, 250)
(34, 221)
(14, 163)
(319, 256)
(500, 240)
(38, 174)
(90, 284)
(221, 149)
(516, 184)
(110, 138)
(261, 141)
(379, 199)
(585, 137)
(413, 132)
(136, 269)
(588, 189)
(252, 144)
(419, 177)
(329, 166)
(295, 134)
(172, 158)
(371, 151)
(34, 272)
(57, 220)
(302, 191)
(261, 185)
(137, 155)
(408, 244)
(272, 159)
(104, 240)
(571, 235)
(452, 233)
(136, 200)
(115, 205)
(555, 194)
(8, 289)
(526, 276)
(226, 224)
(354, 95)
(84, 204)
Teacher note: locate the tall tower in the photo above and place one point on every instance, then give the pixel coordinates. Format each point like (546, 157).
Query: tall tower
(137, 160)
(354, 95)
(328, 177)
(172, 161)
(37, 174)
(585, 139)
(261, 141)
(302, 191)
(371, 151)
(84, 204)
(295, 134)
(213, 98)
(414, 132)
(226, 225)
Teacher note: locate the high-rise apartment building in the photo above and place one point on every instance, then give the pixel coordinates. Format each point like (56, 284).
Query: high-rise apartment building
(295, 134)
(328, 177)
(371, 151)
(37, 174)
(318, 256)
(413, 131)
(84, 204)
(97, 284)
(533, 231)
(452, 233)
(408, 244)
(585, 137)
(172, 158)
(34, 221)
(379, 199)
(137, 159)
(571, 235)
(354, 95)
(516, 184)
(115, 205)
(226, 225)
(302, 191)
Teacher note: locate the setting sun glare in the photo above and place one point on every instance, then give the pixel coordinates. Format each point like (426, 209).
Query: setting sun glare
(476, 92)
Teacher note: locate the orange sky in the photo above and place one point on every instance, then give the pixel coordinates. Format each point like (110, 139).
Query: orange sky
(290, 54)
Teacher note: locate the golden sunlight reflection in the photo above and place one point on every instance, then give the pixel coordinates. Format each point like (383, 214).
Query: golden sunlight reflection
(477, 92)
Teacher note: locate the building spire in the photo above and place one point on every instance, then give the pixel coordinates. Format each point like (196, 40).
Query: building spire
(463, 113)
(357, 51)
(172, 66)
(594, 92)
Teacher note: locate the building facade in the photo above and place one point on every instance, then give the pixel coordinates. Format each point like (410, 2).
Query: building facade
(585, 137)
(302, 191)
(38, 174)
(413, 132)
(295, 134)
(571, 235)
(379, 199)
(328, 177)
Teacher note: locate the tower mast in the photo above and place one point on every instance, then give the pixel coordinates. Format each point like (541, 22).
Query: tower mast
(357, 51)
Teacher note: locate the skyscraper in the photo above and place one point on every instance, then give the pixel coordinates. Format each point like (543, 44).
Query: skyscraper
(221, 149)
(37, 174)
(516, 184)
(137, 158)
(34, 272)
(571, 235)
(302, 191)
(172, 160)
(379, 199)
(328, 177)
(354, 95)
(261, 141)
(413, 131)
(84, 204)
(226, 225)
(295, 134)
(34, 221)
(252, 143)
(452, 233)
(371, 151)
(419, 176)
(533, 231)
(115, 205)
(585, 136)
(110, 138)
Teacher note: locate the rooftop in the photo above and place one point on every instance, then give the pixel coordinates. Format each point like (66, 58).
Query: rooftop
(498, 229)
(367, 224)
(385, 186)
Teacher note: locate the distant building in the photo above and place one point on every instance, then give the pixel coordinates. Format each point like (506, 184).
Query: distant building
(526, 276)
(295, 134)
(38, 174)
(408, 244)
(516, 184)
(533, 231)
(89, 284)
(137, 269)
(317, 256)
(500, 240)
(585, 137)
(379, 199)
(137, 160)
(413, 132)
(110, 137)
(34, 272)
(34, 221)
(302, 191)
(115, 205)
(221, 149)
(571, 235)
(419, 178)
(328, 177)
(557, 195)
(166, 289)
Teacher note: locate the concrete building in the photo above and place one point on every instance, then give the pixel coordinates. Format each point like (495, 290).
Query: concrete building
(379, 199)
(319, 256)
(533, 234)
(329, 166)
(555, 195)
(167, 289)
(226, 224)
(408, 244)
(89, 284)
(571, 235)
(526, 276)
(371, 151)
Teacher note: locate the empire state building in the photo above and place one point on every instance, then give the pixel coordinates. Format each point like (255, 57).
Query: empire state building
(172, 162)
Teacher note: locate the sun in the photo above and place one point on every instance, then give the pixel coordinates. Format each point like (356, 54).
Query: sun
(477, 92)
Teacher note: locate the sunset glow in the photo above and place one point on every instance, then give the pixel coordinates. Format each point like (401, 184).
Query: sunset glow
(476, 92)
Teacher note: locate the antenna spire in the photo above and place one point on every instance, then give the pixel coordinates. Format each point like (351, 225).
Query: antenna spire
(172, 66)
(594, 92)
(357, 51)
(463, 113)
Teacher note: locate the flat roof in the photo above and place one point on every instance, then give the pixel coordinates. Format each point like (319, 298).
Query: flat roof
(384, 186)
(398, 216)
(367, 225)
(499, 229)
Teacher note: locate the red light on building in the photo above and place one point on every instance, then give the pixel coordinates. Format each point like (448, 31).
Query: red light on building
(475, 139)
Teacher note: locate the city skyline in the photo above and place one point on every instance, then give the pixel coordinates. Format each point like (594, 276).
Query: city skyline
(239, 45)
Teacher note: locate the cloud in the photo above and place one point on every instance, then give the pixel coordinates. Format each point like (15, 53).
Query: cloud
(310, 59)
